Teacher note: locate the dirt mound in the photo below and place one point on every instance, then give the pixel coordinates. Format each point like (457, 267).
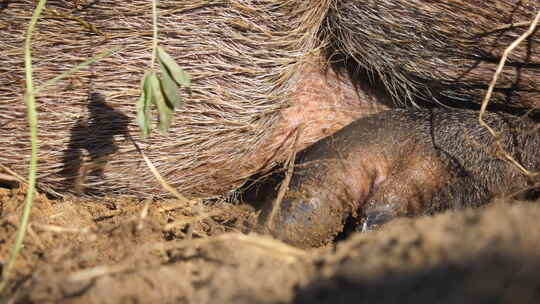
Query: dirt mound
(109, 251)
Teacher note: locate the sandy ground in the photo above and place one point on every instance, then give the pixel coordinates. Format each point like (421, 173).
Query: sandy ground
(120, 250)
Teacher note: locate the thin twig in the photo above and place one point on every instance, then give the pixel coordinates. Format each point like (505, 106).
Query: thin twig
(181, 223)
(511, 25)
(95, 272)
(491, 87)
(272, 246)
(60, 229)
(144, 214)
(13, 175)
(284, 187)
(75, 69)
(160, 179)
(154, 33)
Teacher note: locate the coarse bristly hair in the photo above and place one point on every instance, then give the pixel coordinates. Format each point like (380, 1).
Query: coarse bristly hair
(444, 50)
(243, 57)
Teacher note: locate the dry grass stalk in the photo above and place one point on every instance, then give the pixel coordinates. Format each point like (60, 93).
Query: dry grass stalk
(485, 101)
(284, 187)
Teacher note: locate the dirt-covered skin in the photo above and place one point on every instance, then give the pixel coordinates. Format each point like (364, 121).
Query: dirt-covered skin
(401, 163)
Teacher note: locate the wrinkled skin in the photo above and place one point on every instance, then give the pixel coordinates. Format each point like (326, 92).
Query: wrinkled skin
(401, 163)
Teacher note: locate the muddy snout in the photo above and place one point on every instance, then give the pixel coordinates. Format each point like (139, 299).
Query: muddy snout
(399, 163)
(303, 222)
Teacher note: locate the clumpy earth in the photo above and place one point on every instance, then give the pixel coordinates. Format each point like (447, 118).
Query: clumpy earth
(121, 250)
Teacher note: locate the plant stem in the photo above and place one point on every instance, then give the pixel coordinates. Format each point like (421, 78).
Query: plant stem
(155, 33)
(29, 98)
(75, 69)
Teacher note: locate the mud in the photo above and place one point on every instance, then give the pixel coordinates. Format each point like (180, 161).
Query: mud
(103, 251)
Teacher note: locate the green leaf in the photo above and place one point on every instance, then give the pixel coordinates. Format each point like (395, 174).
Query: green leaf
(176, 72)
(143, 107)
(170, 88)
(164, 110)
